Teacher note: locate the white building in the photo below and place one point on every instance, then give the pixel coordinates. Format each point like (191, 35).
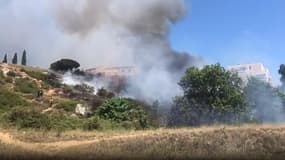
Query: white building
(246, 71)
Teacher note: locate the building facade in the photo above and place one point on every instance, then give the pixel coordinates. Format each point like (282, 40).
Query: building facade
(246, 71)
(113, 71)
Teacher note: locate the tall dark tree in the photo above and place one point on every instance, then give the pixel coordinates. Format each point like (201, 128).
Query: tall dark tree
(282, 73)
(24, 58)
(5, 59)
(15, 59)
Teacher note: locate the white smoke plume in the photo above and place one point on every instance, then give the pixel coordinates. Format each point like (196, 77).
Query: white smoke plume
(265, 102)
(101, 33)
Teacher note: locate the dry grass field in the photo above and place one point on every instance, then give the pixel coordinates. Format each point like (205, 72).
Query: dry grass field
(220, 142)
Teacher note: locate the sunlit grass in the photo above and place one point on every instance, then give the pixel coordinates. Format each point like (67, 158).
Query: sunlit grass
(210, 142)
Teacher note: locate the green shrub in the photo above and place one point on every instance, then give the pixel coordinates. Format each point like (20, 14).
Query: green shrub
(67, 105)
(211, 95)
(4, 123)
(92, 124)
(124, 110)
(37, 74)
(23, 117)
(62, 122)
(9, 99)
(25, 86)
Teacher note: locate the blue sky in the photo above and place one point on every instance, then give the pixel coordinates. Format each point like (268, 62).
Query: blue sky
(234, 32)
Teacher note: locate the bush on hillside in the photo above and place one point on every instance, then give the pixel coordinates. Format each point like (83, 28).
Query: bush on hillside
(25, 86)
(49, 79)
(9, 99)
(67, 105)
(39, 75)
(29, 117)
(24, 117)
(124, 110)
(92, 124)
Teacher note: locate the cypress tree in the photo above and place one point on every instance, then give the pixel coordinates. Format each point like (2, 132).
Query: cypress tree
(24, 58)
(15, 59)
(5, 59)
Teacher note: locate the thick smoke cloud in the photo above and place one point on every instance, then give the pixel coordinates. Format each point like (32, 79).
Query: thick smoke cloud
(101, 33)
(141, 17)
(140, 30)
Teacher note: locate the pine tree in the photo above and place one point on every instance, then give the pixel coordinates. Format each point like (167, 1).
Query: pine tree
(24, 58)
(15, 59)
(5, 59)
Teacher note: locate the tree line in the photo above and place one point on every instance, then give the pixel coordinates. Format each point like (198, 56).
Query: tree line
(15, 58)
(214, 95)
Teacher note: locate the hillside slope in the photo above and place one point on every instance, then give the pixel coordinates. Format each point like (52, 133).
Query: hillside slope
(34, 98)
(245, 142)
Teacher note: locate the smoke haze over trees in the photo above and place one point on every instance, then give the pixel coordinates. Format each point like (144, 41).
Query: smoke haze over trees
(264, 102)
(211, 95)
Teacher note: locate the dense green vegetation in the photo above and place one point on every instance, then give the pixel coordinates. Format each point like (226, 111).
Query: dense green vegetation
(36, 74)
(122, 110)
(25, 86)
(23, 110)
(10, 99)
(67, 105)
(211, 95)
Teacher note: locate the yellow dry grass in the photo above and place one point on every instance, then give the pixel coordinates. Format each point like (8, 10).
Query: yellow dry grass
(217, 142)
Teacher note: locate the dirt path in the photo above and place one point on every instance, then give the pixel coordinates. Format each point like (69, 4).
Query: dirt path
(52, 147)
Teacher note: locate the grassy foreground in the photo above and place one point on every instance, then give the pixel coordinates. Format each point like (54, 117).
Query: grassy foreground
(221, 142)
